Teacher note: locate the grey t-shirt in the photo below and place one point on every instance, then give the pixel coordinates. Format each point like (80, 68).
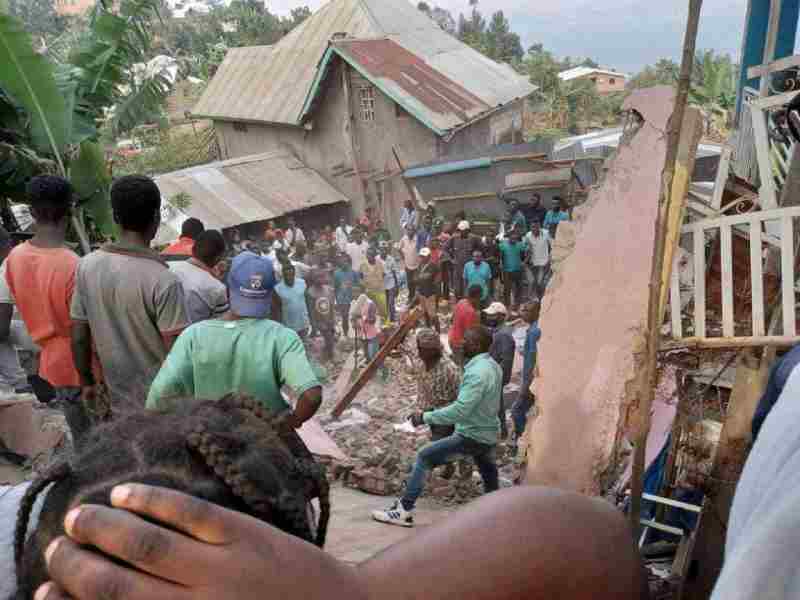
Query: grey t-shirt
(130, 299)
(10, 499)
(205, 296)
(762, 549)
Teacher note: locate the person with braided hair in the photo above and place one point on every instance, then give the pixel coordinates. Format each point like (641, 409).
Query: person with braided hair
(231, 452)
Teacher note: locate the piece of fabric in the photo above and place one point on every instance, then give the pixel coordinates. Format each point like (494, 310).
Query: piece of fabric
(427, 279)
(553, 217)
(440, 452)
(539, 248)
(131, 300)
(294, 311)
(464, 317)
(372, 275)
(250, 356)
(184, 246)
(408, 248)
(478, 275)
(204, 296)
(423, 239)
(439, 386)
(343, 282)
(762, 545)
(474, 413)
(41, 282)
(512, 253)
(778, 376)
(357, 253)
(408, 217)
(519, 220)
(379, 298)
(293, 236)
(10, 501)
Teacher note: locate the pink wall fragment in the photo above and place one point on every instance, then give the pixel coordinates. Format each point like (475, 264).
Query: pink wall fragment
(594, 313)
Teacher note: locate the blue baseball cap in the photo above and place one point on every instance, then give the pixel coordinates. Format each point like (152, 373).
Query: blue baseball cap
(250, 284)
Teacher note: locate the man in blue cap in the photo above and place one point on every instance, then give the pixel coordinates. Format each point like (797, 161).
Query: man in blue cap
(242, 351)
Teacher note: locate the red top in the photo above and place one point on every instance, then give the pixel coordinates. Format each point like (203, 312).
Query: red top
(41, 281)
(183, 247)
(464, 317)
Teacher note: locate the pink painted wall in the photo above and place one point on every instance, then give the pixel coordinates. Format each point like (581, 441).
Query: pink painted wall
(595, 311)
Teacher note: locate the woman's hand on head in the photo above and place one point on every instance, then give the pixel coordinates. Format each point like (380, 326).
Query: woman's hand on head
(204, 551)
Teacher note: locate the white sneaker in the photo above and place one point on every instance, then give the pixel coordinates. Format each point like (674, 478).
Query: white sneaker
(395, 515)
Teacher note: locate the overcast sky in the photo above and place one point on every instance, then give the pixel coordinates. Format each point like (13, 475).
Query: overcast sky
(623, 34)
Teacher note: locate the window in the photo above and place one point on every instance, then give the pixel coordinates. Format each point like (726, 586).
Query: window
(366, 96)
(612, 81)
(239, 126)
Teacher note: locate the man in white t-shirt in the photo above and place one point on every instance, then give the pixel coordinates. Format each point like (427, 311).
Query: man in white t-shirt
(341, 235)
(357, 250)
(293, 233)
(538, 241)
(205, 296)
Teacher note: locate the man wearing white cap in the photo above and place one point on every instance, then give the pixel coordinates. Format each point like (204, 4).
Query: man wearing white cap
(426, 287)
(461, 247)
(502, 351)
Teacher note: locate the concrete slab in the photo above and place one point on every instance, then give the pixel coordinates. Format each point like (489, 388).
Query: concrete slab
(595, 311)
(354, 537)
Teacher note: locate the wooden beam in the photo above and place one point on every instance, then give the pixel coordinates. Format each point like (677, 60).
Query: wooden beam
(766, 192)
(691, 130)
(745, 218)
(473, 196)
(771, 42)
(731, 342)
(757, 278)
(699, 282)
(675, 301)
(788, 277)
(395, 340)
(773, 101)
(726, 260)
(721, 179)
(646, 382)
(530, 156)
(775, 66)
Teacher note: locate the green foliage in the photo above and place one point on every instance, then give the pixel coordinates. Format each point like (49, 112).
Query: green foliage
(165, 152)
(181, 200)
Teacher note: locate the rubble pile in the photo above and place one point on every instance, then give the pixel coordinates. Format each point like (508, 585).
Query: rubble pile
(381, 444)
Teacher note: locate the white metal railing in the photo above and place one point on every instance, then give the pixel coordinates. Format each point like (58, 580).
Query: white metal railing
(774, 227)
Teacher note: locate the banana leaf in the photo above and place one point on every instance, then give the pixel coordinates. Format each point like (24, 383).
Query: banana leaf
(91, 182)
(29, 79)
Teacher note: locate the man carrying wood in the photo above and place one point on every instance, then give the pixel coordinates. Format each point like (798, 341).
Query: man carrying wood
(474, 414)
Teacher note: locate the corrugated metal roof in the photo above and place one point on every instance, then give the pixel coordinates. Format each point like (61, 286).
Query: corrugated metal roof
(271, 85)
(247, 189)
(431, 97)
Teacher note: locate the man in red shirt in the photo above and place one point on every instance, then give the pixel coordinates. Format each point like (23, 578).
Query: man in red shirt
(40, 275)
(465, 315)
(190, 230)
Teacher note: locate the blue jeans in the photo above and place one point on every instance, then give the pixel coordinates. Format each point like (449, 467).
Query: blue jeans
(438, 453)
(520, 409)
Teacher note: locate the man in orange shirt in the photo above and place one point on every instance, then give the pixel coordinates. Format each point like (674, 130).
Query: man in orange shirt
(190, 231)
(40, 279)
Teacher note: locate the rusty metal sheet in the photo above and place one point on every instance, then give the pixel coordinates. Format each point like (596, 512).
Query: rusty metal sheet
(270, 84)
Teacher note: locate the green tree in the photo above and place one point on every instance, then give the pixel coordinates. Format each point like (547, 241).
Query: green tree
(38, 17)
(501, 43)
(50, 112)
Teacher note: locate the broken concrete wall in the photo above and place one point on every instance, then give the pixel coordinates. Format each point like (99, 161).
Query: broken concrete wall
(595, 310)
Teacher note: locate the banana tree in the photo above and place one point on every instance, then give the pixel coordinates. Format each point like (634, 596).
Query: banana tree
(51, 112)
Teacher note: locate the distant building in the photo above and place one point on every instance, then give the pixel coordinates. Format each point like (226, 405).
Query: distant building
(358, 92)
(73, 7)
(605, 80)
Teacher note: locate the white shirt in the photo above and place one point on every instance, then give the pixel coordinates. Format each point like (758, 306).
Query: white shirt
(408, 247)
(357, 253)
(204, 296)
(539, 247)
(295, 235)
(341, 238)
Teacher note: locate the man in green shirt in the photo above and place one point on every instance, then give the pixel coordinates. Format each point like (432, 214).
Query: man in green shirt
(240, 352)
(474, 414)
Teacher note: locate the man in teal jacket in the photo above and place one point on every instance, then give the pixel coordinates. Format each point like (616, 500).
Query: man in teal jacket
(474, 414)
